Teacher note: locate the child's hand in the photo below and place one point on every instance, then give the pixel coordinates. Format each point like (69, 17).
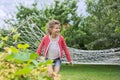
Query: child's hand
(71, 63)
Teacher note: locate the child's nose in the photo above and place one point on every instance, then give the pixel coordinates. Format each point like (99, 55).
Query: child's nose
(59, 30)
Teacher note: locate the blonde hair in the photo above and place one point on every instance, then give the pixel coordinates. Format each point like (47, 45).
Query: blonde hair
(51, 24)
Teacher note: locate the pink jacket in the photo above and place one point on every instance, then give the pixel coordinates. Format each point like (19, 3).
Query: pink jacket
(62, 46)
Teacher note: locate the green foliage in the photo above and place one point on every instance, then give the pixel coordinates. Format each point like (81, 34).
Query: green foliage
(4, 37)
(76, 38)
(102, 24)
(99, 30)
(23, 64)
(59, 10)
(19, 63)
(8, 38)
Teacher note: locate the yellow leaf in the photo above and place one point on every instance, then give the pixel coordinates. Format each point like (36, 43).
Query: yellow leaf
(26, 45)
(14, 50)
(20, 46)
(5, 38)
(23, 46)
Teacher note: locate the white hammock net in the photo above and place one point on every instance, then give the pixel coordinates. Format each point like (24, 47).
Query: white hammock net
(108, 57)
(34, 35)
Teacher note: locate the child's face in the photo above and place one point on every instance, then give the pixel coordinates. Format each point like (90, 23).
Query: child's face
(55, 30)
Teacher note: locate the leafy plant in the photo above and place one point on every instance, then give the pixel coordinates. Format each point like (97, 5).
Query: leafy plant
(17, 62)
(22, 64)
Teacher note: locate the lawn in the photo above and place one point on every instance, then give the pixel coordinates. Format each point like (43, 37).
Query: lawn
(90, 72)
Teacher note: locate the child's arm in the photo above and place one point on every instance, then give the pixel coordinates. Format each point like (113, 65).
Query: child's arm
(39, 50)
(67, 53)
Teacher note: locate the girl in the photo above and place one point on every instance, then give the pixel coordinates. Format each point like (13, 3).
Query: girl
(54, 44)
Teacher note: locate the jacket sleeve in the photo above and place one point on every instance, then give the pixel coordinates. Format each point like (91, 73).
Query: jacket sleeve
(67, 53)
(39, 50)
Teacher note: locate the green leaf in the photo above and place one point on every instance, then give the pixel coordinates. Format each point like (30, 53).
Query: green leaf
(14, 50)
(9, 57)
(5, 38)
(15, 30)
(46, 77)
(35, 62)
(16, 36)
(49, 62)
(22, 56)
(23, 71)
(33, 56)
(12, 58)
(1, 44)
(117, 30)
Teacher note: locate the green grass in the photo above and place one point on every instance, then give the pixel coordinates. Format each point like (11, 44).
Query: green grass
(90, 72)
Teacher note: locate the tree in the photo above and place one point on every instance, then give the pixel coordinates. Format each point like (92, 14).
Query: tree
(103, 24)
